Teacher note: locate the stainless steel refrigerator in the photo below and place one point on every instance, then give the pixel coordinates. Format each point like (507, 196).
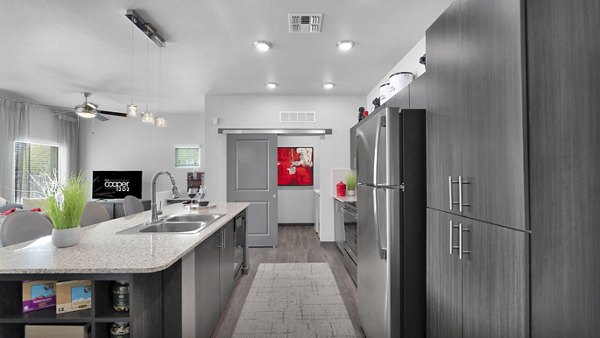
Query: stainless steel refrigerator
(391, 223)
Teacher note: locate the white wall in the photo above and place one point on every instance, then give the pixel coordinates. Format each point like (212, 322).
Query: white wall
(409, 63)
(254, 111)
(128, 144)
(297, 204)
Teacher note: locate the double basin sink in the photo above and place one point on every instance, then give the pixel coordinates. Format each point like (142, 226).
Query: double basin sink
(177, 224)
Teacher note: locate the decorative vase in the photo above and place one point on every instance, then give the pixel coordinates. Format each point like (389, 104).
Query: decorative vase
(351, 192)
(62, 238)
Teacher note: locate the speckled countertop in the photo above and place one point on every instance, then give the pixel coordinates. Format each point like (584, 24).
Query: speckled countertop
(345, 198)
(101, 250)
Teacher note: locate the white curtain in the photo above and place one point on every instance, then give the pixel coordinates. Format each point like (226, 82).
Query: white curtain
(14, 126)
(68, 142)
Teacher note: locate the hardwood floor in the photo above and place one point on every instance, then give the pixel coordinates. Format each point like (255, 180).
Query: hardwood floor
(297, 244)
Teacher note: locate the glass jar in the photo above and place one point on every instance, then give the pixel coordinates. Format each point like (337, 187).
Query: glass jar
(121, 296)
(119, 330)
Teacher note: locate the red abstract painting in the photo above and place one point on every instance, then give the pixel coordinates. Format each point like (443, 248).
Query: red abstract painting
(295, 166)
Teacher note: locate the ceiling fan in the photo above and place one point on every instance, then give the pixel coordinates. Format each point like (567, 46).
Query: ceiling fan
(89, 110)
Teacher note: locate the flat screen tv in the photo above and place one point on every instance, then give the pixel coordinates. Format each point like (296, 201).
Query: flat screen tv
(116, 184)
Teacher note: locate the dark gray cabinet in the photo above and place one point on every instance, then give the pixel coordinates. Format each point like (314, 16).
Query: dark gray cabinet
(215, 278)
(444, 112)
(444, 278)
(495, 281)
(476, 120)
(353, 160)
(418, 92)
(476, 278)
(564, 157)
(493, 128)
(207, 285)
(226, 264)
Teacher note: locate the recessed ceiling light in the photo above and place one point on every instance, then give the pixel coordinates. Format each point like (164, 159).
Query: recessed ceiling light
(262, 46)
(271, 85)
(345, 45)
(328, 85)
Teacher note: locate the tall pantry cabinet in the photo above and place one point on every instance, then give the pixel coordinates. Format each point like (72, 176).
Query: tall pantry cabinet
(513, 242)
(477, 228)
(564, 152)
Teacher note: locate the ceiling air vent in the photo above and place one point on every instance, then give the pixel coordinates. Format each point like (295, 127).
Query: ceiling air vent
(297, 116)
(305, 23)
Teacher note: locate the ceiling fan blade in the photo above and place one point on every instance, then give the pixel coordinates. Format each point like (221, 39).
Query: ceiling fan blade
(112, 113)
(91, 105)
(102, 118)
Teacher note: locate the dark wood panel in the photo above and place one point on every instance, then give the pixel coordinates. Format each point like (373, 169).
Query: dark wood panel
(207, 286)
(494, 125)
(495, 281)
(418, 92)
(444, 278)
(443, 108)
(172, 299)
(146, 306)
(563, 51)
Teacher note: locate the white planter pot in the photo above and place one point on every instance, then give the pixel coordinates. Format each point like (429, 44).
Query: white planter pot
(62, 238)
(351, 192)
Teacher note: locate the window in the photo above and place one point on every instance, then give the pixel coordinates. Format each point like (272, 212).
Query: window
(187, 156)
(33, 164)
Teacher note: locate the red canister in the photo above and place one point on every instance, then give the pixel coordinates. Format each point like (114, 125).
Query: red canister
(341, 188)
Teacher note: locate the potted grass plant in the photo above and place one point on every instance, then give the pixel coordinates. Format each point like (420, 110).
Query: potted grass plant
(351, 185)
(64, 206)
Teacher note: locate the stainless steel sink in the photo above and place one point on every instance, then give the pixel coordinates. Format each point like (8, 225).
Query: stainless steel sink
(176, 224)
(179, 227)
(194, 218)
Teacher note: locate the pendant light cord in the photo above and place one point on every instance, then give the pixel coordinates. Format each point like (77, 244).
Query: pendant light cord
(159, 75)
(147, 68)
(132, 62)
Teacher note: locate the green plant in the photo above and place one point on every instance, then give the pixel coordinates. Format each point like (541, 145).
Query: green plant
(65, 202)
(351, 182)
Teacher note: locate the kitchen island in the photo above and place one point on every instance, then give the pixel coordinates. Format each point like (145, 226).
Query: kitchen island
(179, 283)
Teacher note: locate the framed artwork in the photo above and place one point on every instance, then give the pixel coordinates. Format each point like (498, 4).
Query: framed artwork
(295, 166)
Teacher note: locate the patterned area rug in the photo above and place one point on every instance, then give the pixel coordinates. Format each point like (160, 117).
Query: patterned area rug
(294, 300)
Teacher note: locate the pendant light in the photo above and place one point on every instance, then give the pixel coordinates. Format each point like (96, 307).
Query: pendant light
(131, 108)
(147, 117)
(160, 121)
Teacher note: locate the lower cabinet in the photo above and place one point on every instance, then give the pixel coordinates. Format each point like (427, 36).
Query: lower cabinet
(207, 285)
(215, 278)
(227, 265)
(338, 221)
(477, 284)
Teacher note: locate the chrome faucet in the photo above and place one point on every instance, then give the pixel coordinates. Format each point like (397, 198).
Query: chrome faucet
(174, 189)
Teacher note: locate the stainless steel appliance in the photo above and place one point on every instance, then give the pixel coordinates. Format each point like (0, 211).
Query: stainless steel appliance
(391, 223)
(350, 243)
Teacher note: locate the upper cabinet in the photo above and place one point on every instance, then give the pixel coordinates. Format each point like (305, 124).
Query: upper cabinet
(444, 111)
(476, 121)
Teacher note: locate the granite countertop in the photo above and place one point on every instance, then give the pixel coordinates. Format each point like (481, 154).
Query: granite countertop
(345, 198)
(102, 250)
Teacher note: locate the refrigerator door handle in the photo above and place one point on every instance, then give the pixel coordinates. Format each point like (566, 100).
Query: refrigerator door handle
(381, 249)
(380, 124)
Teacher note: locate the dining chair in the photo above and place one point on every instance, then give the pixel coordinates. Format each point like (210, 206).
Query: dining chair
(93, 213)
(132, 205)
(23, 226)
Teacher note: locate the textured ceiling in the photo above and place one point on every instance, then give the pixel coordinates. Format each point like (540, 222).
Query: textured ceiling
(53, 49)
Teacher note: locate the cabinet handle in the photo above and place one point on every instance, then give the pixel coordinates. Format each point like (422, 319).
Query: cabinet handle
(450, 201)
(452, 247)
(223, 239)
(460, 195)
(460, 241)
